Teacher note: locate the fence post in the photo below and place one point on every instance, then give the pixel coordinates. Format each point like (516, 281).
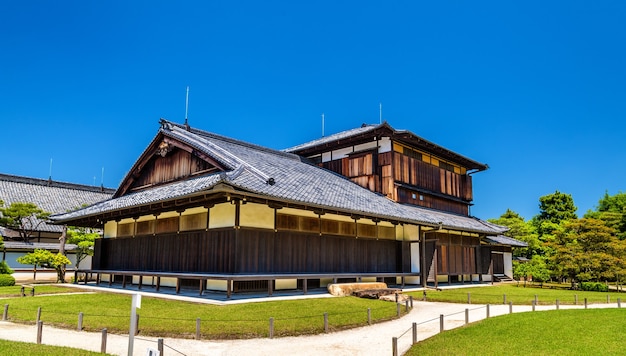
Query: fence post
(414, 334)
(406, 305)
(197, 328)
(369, 316)
(103, 343)
(394, 346)
(441, 328)
(504, 299)
(80, 321)
(398, 310)
(160, 346)
(326, 322)
(608, 299)
(271, 328)
(585, 303)
(466, 316)
(39, 331)
(536, 300)
(557, 304)
(619, 302)
(487, 311)
(32, 292)
(533, 305)
(22, 291)
(5, 315)
(469, 298)
(510, 307)
(411, 301)
(38, 314)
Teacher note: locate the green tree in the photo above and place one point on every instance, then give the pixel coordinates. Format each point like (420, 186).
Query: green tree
(554, 209)
(612, 210)
(520, 230)
(24, 218)
(46, 259)
(84, 239)
(587, 250)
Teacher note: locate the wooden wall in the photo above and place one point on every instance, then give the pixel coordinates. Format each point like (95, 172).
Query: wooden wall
(252, 251)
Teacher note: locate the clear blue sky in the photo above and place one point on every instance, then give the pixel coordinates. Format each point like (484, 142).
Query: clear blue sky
(535, 89)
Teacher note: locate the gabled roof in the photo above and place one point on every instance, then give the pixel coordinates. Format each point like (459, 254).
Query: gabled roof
(51, 196)
(366, 132)
(277, 176)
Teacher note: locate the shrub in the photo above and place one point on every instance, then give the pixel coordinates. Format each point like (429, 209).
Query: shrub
(4, 268)
(6, 280)
(594, 286)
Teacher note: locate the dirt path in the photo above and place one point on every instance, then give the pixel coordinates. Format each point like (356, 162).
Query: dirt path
(368, 340)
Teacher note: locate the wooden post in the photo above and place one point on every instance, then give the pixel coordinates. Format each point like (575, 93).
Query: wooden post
(487, 311)
(201, 287)
(22, 291)
(228, 288)
(466, 316)
(414, 333)
(406, 305)
(504, 299)
(469, 298)
(304, 286)
(536, 300)
(271, 328)
(585, 303)
(510, 307)
(38, 314)
(5, 315)
(325, 322)
(158, 286)
(533, 305)
(177, 285)
(369, 315)
(619, 303)
(160, 346)
(103, 343)
(397, 309)
(140, 281)
(441, 328)
(411, 301)
(39, 330)
(557, 304)
(80, 321)
(197, 328)
(394, 346)
(270, 287)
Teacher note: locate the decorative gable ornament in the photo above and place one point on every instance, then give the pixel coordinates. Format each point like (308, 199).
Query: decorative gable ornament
(164, 149)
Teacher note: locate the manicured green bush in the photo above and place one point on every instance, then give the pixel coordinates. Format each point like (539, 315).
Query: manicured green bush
(4, 268)
(594, 286)
(6, 280)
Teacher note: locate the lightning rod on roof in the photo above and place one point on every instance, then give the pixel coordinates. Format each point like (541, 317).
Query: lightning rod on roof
(102, 179)
(50, 175)
(322, 124)
(380, 115)
(186, 106)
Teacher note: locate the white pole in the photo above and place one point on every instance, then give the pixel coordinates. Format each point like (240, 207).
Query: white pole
(136, 303)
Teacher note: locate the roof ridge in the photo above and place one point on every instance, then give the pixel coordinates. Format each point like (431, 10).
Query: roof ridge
(56, 184)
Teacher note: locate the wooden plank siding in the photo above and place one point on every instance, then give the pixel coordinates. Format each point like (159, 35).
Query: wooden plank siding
(380, 172)
(251, 251)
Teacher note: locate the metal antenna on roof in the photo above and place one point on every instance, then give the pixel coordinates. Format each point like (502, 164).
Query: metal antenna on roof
(322, 124)
(50, 175)
(187, 107)
(380, 117)
(102, 179)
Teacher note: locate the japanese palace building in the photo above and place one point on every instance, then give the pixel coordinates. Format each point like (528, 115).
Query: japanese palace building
(365, 204)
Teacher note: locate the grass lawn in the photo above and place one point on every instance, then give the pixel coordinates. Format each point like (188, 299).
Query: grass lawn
(168, 318)
(16, 348)
(555, 332)
(518, 295)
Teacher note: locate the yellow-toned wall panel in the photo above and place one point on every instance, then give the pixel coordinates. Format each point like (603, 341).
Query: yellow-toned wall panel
(256, 215)
(222, 215)
(110, 229)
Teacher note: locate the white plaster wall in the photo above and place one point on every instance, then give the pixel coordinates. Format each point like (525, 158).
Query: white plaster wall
(508, 264)
(415, 257)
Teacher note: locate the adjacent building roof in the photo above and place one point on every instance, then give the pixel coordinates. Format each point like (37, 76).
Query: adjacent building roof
(505, 240)
(365, 132)
(51, 196)
(278, 176)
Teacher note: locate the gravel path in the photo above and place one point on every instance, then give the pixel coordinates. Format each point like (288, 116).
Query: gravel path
(368, 340)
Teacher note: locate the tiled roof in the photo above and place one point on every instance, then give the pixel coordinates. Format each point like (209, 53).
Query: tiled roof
(281, 176)
(505, 240)
(19, 245)
(334, 137)
(49, 195)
